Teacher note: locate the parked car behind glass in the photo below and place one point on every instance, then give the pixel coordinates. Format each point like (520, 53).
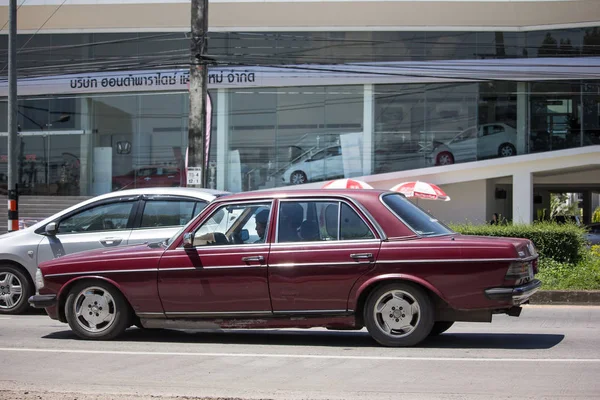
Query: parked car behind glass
(324, 164)
(107, 221)
(334, 258)
(484, 141)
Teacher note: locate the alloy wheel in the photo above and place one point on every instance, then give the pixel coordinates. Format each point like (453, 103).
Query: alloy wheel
(11, 290)
(397, 313)
(95, 309)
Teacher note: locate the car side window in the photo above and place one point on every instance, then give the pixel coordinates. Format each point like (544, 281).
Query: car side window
(352, 226)
(163, 213)
(234, 224)
(319, 156)
(310, 221)
(105, 217)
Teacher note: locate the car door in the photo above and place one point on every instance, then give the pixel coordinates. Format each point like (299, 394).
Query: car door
(491, 139)
(317, 165)
(323, 246)
(224, 273)
(333, 162)
(159, 217)
(104, 224)
(464, 146)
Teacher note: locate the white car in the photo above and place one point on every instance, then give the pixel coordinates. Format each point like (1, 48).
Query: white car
(324, 164)
(475, 143)
(114, 219)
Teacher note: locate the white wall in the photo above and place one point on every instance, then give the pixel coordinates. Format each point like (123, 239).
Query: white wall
(468, 203)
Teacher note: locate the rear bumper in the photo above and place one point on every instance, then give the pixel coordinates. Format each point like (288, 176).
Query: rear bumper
(517, 294)
(43, 300)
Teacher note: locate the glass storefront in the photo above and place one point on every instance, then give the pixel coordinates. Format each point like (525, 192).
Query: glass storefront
(282, 133)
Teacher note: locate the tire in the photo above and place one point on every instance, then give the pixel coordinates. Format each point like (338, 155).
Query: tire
(112, 312)
(445, 158)
(507, 150)
(298, 178)
(440, 327)
(15, 290)
(391, 326)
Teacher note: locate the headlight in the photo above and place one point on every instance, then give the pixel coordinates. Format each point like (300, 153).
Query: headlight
(39, 279)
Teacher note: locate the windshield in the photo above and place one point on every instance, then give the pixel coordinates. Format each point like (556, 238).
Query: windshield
(418, 220)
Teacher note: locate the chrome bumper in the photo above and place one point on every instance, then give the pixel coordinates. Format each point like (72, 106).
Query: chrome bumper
(517, 295)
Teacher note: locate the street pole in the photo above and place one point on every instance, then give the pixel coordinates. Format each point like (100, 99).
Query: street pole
(198, 77)
(13, 194)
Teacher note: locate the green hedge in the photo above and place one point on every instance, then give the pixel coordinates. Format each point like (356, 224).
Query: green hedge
(585, 275)
(563, 243)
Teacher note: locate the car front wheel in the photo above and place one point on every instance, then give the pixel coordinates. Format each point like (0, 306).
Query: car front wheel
(15, 289)
(445, 158)
(96, 310)
(398, 314)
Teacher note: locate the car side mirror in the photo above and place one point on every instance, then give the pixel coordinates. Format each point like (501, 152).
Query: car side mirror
(51, 229)
(244, 235)
(188, 240)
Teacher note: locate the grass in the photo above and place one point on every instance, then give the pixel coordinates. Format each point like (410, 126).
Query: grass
(584, 275)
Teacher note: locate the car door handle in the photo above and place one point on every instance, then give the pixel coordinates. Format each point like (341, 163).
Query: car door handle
(253, 258)
(111, 241)
(361, 256)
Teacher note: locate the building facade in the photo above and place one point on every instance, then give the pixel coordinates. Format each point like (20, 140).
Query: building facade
(301, 92)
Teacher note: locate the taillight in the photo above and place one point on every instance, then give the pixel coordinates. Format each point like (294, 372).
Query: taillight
(520, 270)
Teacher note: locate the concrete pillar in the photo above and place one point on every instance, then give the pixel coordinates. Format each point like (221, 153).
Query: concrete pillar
(587, 207)
(522, 117)
(522, 195)
(222, 137)
(368, 128)
(84, 110)
(490, 199)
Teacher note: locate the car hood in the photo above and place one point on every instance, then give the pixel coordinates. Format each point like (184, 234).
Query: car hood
(105, 256)
(15, 234)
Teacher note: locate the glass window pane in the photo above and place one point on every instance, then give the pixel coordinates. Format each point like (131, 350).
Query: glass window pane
(234, 224)
(308, 221)
(167, 213)
(418, 220)
(352, 227)
(106, 217)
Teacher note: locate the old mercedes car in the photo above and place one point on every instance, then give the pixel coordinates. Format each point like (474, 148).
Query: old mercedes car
(343, 259)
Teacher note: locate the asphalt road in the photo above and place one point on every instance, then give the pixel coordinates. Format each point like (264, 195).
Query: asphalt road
(549, 352)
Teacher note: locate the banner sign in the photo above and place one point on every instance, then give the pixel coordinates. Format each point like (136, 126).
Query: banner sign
(521, 69)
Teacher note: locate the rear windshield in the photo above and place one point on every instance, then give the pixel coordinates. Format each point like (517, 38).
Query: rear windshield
(418, 220)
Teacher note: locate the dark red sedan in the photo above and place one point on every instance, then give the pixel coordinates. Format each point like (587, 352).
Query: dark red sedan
(297, 258)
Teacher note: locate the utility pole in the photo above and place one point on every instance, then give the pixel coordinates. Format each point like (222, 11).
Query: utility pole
(13, 194)
(198, 76)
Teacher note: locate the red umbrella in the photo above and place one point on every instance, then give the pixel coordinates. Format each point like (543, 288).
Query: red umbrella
(422, 190)
(346, 184)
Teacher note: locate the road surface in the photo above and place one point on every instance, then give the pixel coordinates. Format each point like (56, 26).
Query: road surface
(548, 352)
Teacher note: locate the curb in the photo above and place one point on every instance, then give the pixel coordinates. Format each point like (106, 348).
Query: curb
(571, 297)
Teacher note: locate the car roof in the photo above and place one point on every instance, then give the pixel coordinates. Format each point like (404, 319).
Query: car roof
(207, 195)
(295, 193)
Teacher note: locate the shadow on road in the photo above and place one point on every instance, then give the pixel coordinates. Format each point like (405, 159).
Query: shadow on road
(515, 341)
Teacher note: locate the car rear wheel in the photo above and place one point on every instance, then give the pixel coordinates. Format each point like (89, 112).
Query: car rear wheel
(96, 310)
(15, 289)
(507, 150)
(298, 178)
(445, 158)
(440, 327)
(398, 314)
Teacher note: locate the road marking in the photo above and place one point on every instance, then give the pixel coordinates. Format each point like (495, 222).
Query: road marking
(314, 356)
(5, 318)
